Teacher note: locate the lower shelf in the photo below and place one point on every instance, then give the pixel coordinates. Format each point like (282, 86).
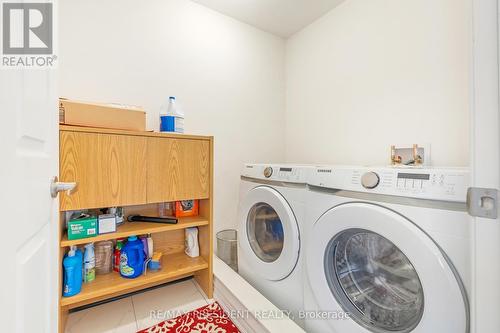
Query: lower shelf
(112, 284)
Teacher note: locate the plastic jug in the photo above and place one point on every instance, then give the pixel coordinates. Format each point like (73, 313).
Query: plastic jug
(171, 117)
(79, 255)
(132, 258)
(72, 280)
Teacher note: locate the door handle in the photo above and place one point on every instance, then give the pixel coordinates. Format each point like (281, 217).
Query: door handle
(57, 186)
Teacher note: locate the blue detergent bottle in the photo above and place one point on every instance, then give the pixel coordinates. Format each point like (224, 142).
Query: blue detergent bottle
(132, 258)
(167, 119)
(72, 279)
(79, 255)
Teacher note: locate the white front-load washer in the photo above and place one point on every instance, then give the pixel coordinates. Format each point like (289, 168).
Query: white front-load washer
(270, 217)
(387, 250)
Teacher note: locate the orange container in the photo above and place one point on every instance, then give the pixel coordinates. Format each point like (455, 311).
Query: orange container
(186, 208)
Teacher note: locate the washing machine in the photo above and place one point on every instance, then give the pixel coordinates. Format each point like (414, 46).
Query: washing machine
(387, 250)
(270, 217)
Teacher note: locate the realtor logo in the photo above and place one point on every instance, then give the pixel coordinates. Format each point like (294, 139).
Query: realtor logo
(27, 34)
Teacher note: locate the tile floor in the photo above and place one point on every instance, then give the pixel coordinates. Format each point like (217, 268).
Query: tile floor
(139, 311)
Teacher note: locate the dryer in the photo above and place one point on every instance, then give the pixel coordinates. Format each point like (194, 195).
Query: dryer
(387, 250)
(270, 217)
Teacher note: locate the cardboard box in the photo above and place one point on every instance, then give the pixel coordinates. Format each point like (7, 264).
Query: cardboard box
(107, 223)
(82, 227)
(186, 208)
(101, 115)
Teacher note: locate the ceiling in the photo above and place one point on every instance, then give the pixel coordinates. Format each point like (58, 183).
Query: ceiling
(279, 17)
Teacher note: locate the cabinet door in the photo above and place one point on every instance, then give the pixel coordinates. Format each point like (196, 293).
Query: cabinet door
(110, 169)
(178, 169)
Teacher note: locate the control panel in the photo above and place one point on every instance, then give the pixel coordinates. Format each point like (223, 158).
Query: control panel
(274, 172)
(430, 183)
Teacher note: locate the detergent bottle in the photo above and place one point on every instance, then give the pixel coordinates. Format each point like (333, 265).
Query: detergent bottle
(79, 255)
(72, 279)
(171, 117)
(132, 258)
(117, 254)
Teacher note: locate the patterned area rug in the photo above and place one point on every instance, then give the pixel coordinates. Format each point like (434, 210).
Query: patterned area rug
(208, 319)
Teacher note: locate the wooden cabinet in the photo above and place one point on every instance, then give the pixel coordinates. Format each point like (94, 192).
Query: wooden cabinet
(110, 169)
(114, 169)
(136, 170)
(177, 169)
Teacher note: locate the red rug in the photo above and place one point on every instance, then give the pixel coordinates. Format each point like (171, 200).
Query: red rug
(208, 319)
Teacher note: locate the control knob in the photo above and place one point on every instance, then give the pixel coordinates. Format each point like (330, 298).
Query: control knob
(268, 172)
(370, 180)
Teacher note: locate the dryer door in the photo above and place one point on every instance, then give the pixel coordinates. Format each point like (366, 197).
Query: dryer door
(269, 235)
(385, 272)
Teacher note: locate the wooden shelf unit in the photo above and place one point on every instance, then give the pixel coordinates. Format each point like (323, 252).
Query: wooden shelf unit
(138, 170)
(112, 284)
(138, 228)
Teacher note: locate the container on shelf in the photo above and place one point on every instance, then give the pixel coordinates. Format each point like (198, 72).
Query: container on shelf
(106, 223)
(89, 263)
(132, 258)
(105, 115)
(171, 117)
(192, 247)
(186, 208)
(227, 247)
(104, 257)
(117, 253)
(155, 262)
(166, 209)
(83, 226)
(72, 278)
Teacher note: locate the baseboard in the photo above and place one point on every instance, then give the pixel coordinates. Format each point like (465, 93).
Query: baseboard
(247, 308)
(239, 314)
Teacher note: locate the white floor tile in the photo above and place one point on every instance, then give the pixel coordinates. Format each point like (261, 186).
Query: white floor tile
(168, 302)
(114, 317)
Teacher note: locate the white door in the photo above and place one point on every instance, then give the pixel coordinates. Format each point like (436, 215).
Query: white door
(384, 271)
(485, 162)
(269, 233)
(29, 158)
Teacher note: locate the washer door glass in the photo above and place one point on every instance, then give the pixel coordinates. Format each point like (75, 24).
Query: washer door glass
(265, 232)
(269, 243)
(374, 281)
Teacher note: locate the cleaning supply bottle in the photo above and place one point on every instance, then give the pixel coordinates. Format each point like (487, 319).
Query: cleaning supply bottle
(132, 258)
(144, 241)
(72, 279)
(116, 255)
(171, 117)
(89, 263)
(150, 246)
(79, 255)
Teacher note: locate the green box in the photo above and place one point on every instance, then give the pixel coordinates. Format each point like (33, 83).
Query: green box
(83, 227)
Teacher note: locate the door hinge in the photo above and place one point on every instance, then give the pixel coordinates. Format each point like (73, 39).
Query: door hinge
(482, 202)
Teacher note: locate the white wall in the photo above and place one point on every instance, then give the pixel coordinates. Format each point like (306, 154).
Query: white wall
(371, 73)
(368, 74)
(228, 77)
